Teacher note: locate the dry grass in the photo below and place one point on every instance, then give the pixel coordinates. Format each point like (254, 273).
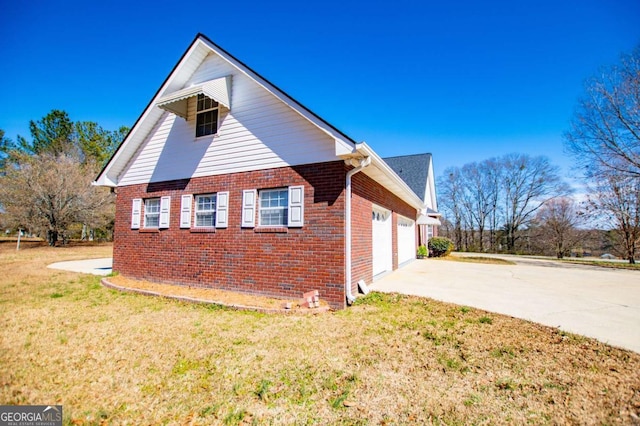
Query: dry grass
(604, 263)
(117, 358)
(475, 259)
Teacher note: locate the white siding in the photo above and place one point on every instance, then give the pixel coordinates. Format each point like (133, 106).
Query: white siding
(259, 132)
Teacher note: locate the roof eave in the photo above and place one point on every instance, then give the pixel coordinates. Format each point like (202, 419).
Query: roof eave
(102, 176)
(398, 186)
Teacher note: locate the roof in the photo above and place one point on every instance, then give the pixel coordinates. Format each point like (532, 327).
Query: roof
(413, 169)
(172, 90)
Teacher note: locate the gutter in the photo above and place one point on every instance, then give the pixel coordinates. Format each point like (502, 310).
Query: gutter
(400, 187)
(359, 164)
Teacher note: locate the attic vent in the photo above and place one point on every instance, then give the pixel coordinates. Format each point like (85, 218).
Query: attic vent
(219, 90)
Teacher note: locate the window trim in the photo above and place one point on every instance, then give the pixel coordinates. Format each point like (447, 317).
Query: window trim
(148, 213)
(198, 112)
(213, 211)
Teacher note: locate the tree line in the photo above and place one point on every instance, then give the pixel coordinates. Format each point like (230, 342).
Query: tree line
(45, 181)
(487, 204)
(519, 203)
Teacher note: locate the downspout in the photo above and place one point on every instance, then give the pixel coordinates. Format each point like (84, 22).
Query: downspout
(359, 165)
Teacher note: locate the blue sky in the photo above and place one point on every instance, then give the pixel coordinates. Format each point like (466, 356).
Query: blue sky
(465, 80)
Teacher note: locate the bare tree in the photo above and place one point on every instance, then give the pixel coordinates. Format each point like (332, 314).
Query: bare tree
(450, 189)
(605, 130)
(29, 167)
(557, 225)
(529, 182)
(49, 192)
(492, 171)
(481, 190)
(605, 140)
(617, 198)
(504, 192)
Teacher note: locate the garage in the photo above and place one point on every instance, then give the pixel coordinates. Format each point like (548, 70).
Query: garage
(382, 240)
(406, 239)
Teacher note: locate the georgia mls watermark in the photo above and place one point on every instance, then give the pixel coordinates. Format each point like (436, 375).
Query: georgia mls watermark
(30, 415)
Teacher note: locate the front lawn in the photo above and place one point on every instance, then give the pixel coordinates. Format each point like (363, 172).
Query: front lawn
(116, 358)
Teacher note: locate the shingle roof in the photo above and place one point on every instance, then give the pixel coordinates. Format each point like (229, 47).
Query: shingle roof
(413, 169)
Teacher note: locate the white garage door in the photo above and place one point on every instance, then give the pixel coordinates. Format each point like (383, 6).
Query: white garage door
(406, 239)
(382, 240)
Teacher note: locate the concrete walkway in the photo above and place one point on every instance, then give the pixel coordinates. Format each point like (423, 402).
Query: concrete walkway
(587, 300)
(92, 266)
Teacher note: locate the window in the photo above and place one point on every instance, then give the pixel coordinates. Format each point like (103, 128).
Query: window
(205, 211)
(274, 207)
(152, 213)
(206, 116)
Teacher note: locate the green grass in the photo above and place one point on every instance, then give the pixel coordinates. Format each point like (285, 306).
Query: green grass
(485, 320)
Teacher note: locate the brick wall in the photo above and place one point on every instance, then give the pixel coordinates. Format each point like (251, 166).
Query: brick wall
(281, 264)
(250, 260)
(365, 193)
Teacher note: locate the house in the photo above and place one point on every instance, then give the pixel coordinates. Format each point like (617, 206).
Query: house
(225, 181)
(417, 171)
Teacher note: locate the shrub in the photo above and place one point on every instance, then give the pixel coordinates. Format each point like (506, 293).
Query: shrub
(440, 246)
(422, 252)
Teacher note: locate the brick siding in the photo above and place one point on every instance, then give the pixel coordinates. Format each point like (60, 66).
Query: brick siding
(365, 193)
(272, 262)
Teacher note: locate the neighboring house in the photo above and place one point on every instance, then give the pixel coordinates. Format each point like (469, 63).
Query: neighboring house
(225, 181)
(417, 171)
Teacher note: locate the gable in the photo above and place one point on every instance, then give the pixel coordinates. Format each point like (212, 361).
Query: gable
(260, 127)
(259, 131)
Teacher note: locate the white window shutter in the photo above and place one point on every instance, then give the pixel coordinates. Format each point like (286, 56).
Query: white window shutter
(165, 206)
(222, 209)
(136, 213)
(296, 206)
(249, 208)
(185, 211)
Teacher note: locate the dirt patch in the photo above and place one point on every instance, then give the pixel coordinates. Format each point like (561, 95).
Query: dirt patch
(214, 296)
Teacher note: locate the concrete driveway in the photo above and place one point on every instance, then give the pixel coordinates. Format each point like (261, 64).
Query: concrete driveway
(100, 266)
(587, 300)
